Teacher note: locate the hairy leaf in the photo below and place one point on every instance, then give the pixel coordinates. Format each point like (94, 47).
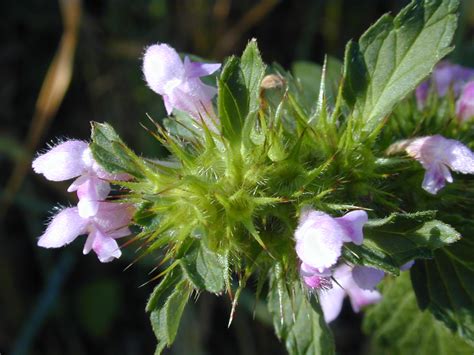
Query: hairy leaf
(204, 269)
(298, 320)
(238, 92)
(444, 286)
(166, 305)
(398, 326)
(308, 76)
(394, 55)
(232, 99)
(393, 241)
(111, 153)
(253, 70)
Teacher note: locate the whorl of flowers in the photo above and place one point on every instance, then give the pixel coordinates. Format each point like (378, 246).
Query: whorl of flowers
(260, 185)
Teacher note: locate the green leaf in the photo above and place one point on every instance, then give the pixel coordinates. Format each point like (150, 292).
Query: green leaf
(393, 241)
(308, 75)
(111, 153)
(444, 286)
(232, 99)
(166, 305)
(298, 321)
(253, 70)
(394, 55)
(204, 269)
(164, 289)
(398, 327)
(238, 92)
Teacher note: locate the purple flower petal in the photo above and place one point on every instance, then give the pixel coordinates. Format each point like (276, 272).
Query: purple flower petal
(465, 104)
(407, 265)
(62, 162)
(113, 216)
(161, 63)
(196, 69)
(179, 83)
(421, 94)
(435, 178)
(65, 226)
(319, 241)
(367, 277)
(319, 237)
(436, 154)
(448, 75)
(307, 270)
(315, 278)
(360, 298)
(90, 193)
(353, 222)
(459, 157)
(105, 247)
(331, 302)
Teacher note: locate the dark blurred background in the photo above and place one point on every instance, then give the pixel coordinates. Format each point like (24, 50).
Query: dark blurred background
(63, 64)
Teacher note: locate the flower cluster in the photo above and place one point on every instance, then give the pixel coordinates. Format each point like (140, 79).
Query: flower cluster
(437, 155)
(319, 237)
(446, 77)
(103, 221)
(179, 84)
(319, 241)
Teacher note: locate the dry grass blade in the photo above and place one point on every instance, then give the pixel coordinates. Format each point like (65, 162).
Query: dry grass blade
(51, 95)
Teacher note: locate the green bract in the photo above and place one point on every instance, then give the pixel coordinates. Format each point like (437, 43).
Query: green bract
(225, 204)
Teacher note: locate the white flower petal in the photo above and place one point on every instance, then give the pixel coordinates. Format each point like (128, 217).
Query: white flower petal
(65, 226)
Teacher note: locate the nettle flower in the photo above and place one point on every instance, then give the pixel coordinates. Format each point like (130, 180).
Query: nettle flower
(439, 155)
(319, 237)
(357, 282)
(465, 103)
(314, 278)
(73, 159)
(446, 75)
(179, 82)
(109, 223)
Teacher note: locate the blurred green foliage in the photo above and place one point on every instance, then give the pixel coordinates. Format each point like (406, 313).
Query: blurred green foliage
(55, 303)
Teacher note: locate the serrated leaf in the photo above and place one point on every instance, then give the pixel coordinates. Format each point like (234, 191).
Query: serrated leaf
(204, 269)
(253, 70)
(166, 305)
(444, 286)
(232, 99)
(238, 92)
(298, 321)
(165, 321)
(393, 241)
(111, 153)
(164, 289)
(394, 55)
(398, 327)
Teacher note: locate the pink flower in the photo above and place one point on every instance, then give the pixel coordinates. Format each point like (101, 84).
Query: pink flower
(179, 83)
(73, 158)
(438, 155)
(315, 279)
(358, 283)
(444, 76)
(465, 103)
(319, 237)
(110, 222)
